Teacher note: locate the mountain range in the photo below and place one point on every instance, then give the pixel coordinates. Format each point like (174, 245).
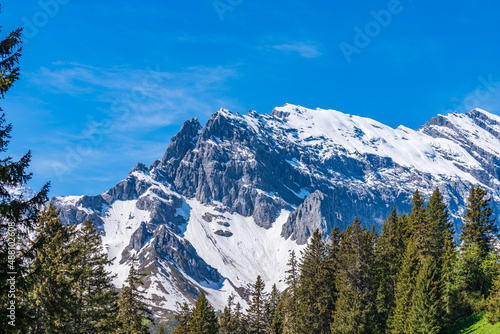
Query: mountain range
(230, 199)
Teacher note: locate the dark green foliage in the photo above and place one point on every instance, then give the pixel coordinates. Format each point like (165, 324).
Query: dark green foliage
(390, 248)
(441, 229)
(416, 245)
(271, 307)
(314, 294)
(204, 319)
(277, 326)
(289, 300)
(256, 313)
(355, 308)
(427, 307)
(477, 259)
(51, 275)
(479, 226)
(18, 216)
(183, 317)
(133, 312)
(10, 51)
(231, 320)
(95, 294)
(225, 319)
(409, 279)
(240, 323)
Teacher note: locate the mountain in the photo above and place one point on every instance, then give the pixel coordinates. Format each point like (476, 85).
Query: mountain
(229, 200)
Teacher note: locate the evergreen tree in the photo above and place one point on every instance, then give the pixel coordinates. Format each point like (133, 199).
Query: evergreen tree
(95, 295)
(289, 300)
(390, 248)
(314, 291)
(238, 320)
(204, 319)
(427, 309)
(277, 326)
(419, 225)
(225, 319)
(448, 274)
(231, 320)
(440, 228)
(51, 276)
(256, 312)
(398, 322)
(271, 307)
(479, 233)
(133, 312)
(355, 308)
(479, 226)
(183, 317)
(18, 215)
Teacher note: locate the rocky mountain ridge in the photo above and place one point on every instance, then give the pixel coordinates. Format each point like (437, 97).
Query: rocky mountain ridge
(230, 199)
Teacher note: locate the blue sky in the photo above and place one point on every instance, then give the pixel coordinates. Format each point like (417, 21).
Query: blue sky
(106, 84)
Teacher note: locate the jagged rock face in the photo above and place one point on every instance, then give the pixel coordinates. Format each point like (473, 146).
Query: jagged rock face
(257, 165)
(228, 200)
(451, 128)
(181, 253)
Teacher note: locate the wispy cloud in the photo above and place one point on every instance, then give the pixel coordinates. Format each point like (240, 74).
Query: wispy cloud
(306, 50)
(151, 97)
(134, 109)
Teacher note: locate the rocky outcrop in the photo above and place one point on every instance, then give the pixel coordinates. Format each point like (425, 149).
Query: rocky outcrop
(316, 168)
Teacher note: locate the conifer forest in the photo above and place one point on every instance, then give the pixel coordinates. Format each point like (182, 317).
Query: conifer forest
(418, 273)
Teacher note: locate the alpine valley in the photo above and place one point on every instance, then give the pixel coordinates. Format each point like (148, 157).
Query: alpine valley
(229, 200)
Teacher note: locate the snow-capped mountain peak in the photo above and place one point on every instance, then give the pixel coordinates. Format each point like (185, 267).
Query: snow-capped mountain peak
(229, 200)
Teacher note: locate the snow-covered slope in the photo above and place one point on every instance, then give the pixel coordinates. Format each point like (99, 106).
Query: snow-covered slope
(228, 201)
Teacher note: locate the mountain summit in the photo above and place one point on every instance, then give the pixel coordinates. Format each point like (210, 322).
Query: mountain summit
(229, 200)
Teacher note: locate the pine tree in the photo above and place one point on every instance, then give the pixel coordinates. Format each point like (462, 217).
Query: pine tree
(419, 225)
(18, 215)
(95, 294)
(271, 306)
(238, 321)
(478, 235)
(398, 322)
(355, 308)
(183, 317)
(277, 326)
(427, 309)
(442, 250)
(479, 226)
(204, 319)
(429, 229)
(133, 312)
(448, 274)
(256, 312)
(229, 320)
(390, 248)
(314, 292)
(289, 300)
(226, 316)
(440, 228)
(51, 276)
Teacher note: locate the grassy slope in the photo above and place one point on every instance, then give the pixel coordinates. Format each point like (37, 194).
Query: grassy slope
(474, 324)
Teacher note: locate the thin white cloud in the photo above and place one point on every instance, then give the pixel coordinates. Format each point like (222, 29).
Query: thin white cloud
(135, 106)
(306, 50)
(141, 99)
